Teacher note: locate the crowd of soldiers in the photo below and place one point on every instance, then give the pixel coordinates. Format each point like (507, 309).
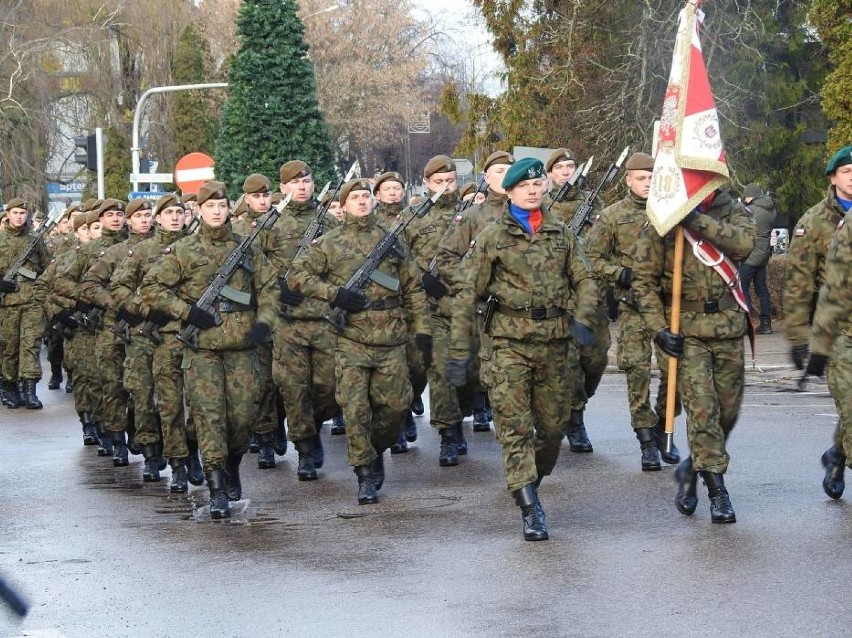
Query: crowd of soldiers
(489, 299)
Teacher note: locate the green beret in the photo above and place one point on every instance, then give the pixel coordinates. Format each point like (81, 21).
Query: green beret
(354, 185)
(559, 155)
(751, 191)
(277, 196)
(527, 168)
(80, 220)
(438, 164)
(212, 190)
(391, 176)
(188, 197)
(17, 202)
(840, 158)
(73, 208)
(240, 206)
(639, 162)
(135, 205)
(166, 201)
(467, 189)
(294, 169)
(95, 205)
(88, 205)
(93, 215)
(257, 183)
(498, 157)
(110, 204)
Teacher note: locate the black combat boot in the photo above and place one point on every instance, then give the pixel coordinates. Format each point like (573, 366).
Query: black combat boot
(90, 432)
(409, 427)
(233, 486)
(194, 471)
(417, 406)
(319, 452)
(265, 455)
(219, 507)
(721, 510)
(532, 513)
(449, 455)
(31, 401)
(119, 449)
(69, 382)
(765, 327)
(834, 462)
(378, 468)
(14, 400)
(307, 470)
(178, 484)
(55, 376)
(488, 412)
(151, 468)
(686, 499)
(401, 445)
(650, 453)
(279, 440)
(104, 440)
(254, 445)
(480, 416)
(460, 438)
(578, 440)
(338, 425)
(673, 457)
(367, 491)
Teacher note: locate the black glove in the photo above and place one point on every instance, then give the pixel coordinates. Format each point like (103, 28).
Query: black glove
(669, 342)
(260, 334)
(83, 306)
(8, 286)
(582, 334)
(129, 317)
(65, 317)
(158, 317)
(424, 344)
(289, 297)
(799, 354)
(457, 370)
(625, 277)
(433, 287)
(349, 300)
(200, 318)
(816, 365)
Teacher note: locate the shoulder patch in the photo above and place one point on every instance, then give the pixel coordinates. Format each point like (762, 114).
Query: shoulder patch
(799, 232)
(458, 218)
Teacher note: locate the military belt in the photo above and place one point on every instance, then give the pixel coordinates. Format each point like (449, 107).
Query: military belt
(536, 314)
(227, 306)
(385, 304)
(708, 307)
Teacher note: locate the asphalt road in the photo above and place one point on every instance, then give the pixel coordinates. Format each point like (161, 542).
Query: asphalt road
(97, 553)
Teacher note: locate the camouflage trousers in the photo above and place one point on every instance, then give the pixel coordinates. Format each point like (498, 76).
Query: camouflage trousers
(110, 373)
(374, 393)
(711, 379)
(593, 362)
(222, 389)
(267, 411)
(168, 385)
(80, 359)
(21, 332)
(530, 405)
(139, 384)
(840, 385)
(416, 369)
(303, 367)
(447, 405)
(635, 341)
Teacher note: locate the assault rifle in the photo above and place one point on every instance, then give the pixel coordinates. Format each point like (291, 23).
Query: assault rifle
(578, 181)
(193, 224)
(581, 217)
(482, 188)
(17, 267)
(219, 288)
(369, 269)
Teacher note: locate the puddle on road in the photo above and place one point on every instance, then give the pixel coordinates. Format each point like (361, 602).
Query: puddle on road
(399, 506)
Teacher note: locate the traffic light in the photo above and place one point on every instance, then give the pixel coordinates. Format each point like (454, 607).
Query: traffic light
(86, 152)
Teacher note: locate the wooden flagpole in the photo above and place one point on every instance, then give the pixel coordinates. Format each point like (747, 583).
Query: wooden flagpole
(671, 389)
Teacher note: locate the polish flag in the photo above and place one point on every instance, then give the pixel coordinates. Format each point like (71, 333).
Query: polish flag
(690, 158)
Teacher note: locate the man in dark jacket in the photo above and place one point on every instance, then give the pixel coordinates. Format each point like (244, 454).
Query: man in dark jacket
(754, 266)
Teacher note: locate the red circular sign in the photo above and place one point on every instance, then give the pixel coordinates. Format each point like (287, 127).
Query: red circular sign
(192, 171)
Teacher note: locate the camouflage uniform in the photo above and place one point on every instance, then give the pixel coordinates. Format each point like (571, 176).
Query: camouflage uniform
(526, 357)
(58, 245)
(370, 363)
(711, 371)
(223, 378)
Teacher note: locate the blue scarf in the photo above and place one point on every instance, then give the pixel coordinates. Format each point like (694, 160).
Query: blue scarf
(845, 204)
(523, 218)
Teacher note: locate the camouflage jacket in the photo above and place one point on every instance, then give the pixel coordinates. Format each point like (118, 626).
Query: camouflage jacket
(127, 279)
(730, 228)
(12, 244)
(805, 265)
(60, 243)
(833, 314)
(94, 287)
(543, 271)
(335, 257)
(186, 270)
(763, 210)
(44, 285)
(66, 285)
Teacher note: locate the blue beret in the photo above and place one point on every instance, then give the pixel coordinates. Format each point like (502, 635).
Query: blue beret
(527, 168)
(840, 158)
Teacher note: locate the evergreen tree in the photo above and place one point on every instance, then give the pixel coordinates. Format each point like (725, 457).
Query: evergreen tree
(193, 124)
(271, 115)
(831, 18)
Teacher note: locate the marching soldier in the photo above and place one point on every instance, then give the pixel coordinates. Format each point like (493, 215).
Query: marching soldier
(613, 250)
(805, 275)
(711, 367)
(370, 361)
(222, 378)
(61, 242)
(530, 268)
